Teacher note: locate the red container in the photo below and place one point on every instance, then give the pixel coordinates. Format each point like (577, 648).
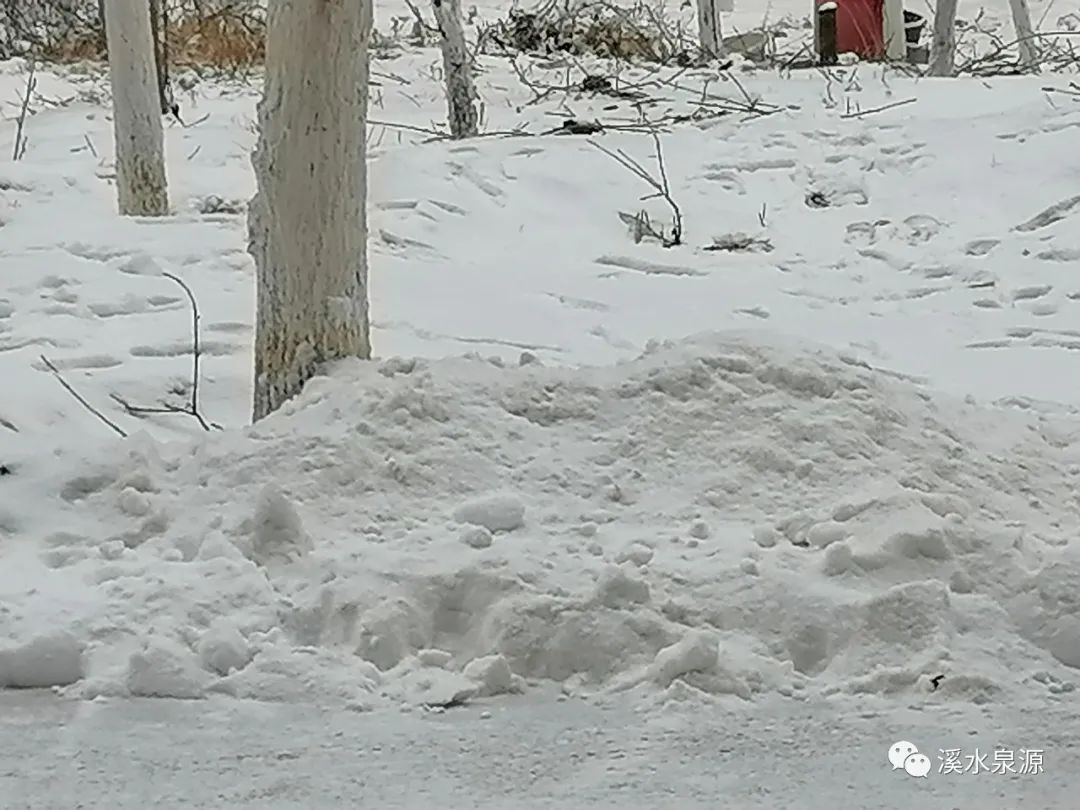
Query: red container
(860, 27)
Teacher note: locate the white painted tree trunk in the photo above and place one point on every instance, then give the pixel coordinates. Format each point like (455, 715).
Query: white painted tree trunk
(307, 223)
(460, 93)
(140, 152)
(710, 31)
(893, 31)
(1025, 34)
(943, 44)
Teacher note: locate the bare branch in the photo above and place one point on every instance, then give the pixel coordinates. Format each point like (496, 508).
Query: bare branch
(192, 408)
(20, 137)
(882, 108)
(79, 398)
(660, 184)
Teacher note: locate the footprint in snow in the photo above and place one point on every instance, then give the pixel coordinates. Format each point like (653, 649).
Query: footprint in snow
(981, 247)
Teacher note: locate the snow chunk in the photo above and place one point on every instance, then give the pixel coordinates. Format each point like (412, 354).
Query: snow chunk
(281, 673)
(1065, 641)
(55, 659)
(929, 543)
(699, 530)
(616, 588)
(838, 559)
(165, 669)
(698, 651)
(808, 645)
(422, 686)
(825, 534)
(477, 537)
(278, 533)
(494, 676)
(502, 512)
(223, 649)
(766, 536)
(434, 658)
(639, 554)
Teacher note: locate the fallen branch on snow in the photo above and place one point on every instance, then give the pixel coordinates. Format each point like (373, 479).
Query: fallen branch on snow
(873, 110)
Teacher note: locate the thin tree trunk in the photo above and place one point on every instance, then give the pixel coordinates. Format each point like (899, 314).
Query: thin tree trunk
(140, 153)
(943, 44)
(307, 221)
(460, 92)
(102, 37)
(159, 24)
(893, 31)
(1025, 34)
(710, 31)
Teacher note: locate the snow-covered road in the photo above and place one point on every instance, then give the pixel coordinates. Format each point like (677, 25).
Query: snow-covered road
(195, 755)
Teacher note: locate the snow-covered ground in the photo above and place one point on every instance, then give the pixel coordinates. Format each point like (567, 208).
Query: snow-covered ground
(823, 454)
(519, 753)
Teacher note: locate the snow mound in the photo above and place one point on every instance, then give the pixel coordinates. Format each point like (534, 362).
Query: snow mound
(53, 659)
(721, 517)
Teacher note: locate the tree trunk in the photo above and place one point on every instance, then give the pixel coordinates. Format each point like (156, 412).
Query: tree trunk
(102, 38)
(1025, 34)
(159, 26)
(710, 31)
(140, 151)
(893, 31)
(943, 44)
(307, 223)
(460, 93)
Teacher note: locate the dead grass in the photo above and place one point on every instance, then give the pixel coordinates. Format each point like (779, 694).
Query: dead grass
(638, 32)
(226, 41)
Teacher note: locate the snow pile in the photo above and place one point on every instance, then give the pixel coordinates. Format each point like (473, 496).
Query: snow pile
(723, 515)
(54, 659)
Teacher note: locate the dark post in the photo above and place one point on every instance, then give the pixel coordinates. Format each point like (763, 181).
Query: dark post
(826, 44)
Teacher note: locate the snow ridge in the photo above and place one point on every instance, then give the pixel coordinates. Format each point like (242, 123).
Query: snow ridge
(727, 515)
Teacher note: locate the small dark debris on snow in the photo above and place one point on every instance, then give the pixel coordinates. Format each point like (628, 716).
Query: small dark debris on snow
(596, 84)
(572, 126)
(740, 243)
(603, 86)
(815, 199)
(213, 204)
(456, 702)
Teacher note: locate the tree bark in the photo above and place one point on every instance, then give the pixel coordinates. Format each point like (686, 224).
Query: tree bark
(893, 31)
(710, 31)
(307, 222)
(1025, 34)
(159, 25)
(140, 153)
(461, 96)
(943, 43)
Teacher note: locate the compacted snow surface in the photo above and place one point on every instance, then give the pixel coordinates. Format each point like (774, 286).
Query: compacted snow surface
(823, 455)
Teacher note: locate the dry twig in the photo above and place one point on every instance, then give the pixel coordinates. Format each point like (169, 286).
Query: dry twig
(660, 183)
(882, 108)
(192, 407)
(20, 136)
(79, 398)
